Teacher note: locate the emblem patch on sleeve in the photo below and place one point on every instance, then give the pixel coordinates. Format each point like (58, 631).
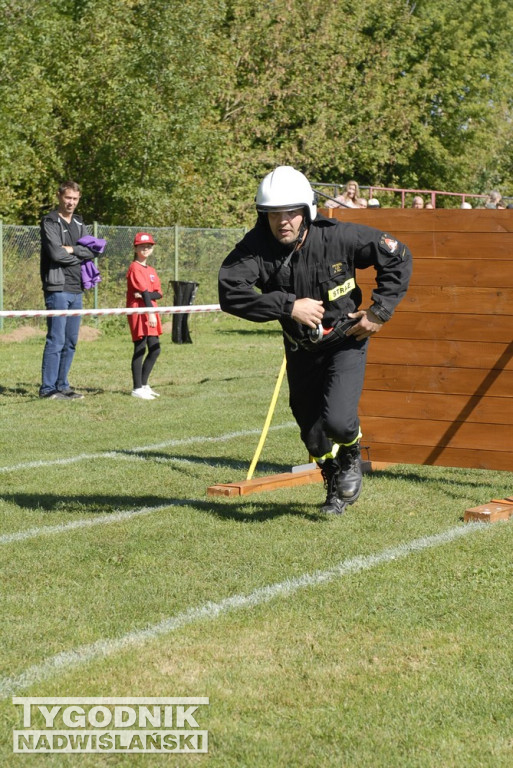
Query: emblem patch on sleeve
(336, 269)
(388, 244)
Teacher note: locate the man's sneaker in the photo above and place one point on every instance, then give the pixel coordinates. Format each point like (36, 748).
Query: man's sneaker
(71, 394)
(150, 390)
(349, 475)
(142, 394)
(55, 396)
(333, 504)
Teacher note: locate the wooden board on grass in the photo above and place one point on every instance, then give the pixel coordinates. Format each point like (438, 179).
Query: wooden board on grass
(271, 482)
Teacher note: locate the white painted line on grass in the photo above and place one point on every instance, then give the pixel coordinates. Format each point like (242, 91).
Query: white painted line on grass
(69, 660)
(139, 449)
(118, 515)
(89, 522)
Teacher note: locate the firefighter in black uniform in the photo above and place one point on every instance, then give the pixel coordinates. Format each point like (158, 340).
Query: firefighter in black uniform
(303, 266)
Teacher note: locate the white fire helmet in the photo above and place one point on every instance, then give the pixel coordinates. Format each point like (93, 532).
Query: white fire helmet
(285, 189)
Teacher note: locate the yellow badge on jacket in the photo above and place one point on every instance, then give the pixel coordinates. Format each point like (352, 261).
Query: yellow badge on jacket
(341, 290)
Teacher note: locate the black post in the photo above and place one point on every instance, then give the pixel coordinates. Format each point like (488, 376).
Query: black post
(184, 294)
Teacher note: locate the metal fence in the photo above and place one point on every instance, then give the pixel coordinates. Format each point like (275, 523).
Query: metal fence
(181, 253)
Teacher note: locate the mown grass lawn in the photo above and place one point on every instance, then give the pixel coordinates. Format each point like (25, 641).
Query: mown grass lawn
(117, 568)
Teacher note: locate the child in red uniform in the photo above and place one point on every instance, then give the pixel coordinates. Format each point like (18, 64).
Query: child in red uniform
(143, 289)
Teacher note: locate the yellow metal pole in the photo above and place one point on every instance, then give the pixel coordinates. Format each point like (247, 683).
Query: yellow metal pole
(268, 419)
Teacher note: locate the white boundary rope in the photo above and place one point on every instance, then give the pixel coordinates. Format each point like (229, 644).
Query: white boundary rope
(113, 311)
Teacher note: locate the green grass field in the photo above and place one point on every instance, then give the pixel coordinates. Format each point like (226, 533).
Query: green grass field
(379, 639)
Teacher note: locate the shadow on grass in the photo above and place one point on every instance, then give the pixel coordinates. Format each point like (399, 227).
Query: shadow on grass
(17, 390)
(238, 377)
(250, 332)
(211, 462)
(259, 511)
(31, 391)
(238, 509)
(453, 481)
(445, 476)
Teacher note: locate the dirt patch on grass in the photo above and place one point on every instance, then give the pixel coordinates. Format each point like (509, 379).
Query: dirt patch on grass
(89, 334)
(27, 332)
(21, 334)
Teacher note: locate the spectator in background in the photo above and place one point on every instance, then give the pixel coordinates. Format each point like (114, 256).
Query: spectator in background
(362, 202)
(61, 258)
(492, 199)
(373, 203)
(348, 198)
(417, 202)
(466, 206)
(143, 290)
(501, 204)
(429, 206)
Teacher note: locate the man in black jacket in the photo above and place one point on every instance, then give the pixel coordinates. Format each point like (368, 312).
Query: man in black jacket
(299, 268)
(61, 258)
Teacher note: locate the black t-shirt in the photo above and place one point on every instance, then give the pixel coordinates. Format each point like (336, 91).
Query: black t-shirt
(72, 276)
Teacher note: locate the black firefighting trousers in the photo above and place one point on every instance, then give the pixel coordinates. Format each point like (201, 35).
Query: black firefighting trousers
(325, 390)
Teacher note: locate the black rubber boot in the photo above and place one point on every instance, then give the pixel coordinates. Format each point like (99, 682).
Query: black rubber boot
(349, 475)
(333, 504)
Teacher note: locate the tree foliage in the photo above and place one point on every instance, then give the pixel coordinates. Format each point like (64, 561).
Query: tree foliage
(464, 58)
(172, 112)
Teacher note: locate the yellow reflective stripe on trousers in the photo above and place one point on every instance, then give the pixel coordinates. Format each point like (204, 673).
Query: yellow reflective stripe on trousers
(335, 448)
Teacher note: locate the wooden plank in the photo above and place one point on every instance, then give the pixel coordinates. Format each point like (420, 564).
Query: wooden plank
(488, 513)
(267, 483)
(476, 245)
(452, 354)
(470, 273)
(456, 381)
(438, 407)
(283, 480)
(458, 299)
(435, 434)
(396, 453)
(405, 220)
(461, 246)
(452, 299)
(448, 326)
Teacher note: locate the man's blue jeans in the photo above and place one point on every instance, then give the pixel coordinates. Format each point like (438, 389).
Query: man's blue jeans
(61, 341)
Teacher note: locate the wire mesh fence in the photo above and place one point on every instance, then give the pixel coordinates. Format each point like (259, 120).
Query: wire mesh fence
(181, 253)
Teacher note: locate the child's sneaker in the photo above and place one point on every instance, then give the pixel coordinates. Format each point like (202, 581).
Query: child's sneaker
(142, 393)
(147, 388)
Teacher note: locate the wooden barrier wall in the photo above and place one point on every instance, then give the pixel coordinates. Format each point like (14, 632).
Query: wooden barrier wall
(439, 381)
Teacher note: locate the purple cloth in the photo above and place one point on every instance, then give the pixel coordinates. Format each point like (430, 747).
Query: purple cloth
(90, 274)
(96, 244)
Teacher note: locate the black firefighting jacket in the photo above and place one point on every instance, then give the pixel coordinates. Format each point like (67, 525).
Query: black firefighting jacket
(323, 268)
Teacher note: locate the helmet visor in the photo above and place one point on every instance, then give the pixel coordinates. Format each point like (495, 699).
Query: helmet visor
(281, 208)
